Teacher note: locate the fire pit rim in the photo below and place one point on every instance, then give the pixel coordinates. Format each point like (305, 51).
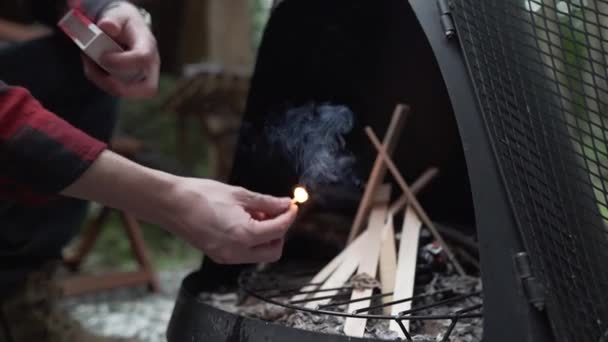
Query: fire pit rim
(186, 326)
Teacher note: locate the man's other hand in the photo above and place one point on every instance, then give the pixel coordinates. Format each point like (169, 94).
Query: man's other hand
(123, 22)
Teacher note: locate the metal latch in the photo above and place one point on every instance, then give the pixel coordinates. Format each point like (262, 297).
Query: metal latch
(533, 289)
(446, 18)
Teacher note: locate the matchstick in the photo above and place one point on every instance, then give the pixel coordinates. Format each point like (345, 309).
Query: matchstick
(413, 201)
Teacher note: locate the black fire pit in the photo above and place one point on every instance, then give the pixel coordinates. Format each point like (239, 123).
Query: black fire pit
(195, 320)
(509, 101)
(200, 320)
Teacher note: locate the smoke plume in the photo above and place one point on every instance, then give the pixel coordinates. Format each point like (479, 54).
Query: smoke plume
(312, 138)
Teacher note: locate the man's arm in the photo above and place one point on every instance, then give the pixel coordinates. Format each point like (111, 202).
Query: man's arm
(16, 32)
(40, 153)
(218, 219)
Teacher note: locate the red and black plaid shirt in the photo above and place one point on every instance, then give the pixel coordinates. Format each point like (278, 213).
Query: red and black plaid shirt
(40, 153)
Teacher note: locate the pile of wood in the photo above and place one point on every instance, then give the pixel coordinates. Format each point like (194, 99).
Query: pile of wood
(372, 252)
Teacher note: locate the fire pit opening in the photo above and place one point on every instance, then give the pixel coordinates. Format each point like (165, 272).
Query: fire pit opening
(368, 57)
(474, 78)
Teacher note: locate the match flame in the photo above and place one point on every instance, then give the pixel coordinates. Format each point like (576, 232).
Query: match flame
(300, 195)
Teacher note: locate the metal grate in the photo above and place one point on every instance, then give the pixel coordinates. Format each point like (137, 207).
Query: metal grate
(277, 291)
(541, 76)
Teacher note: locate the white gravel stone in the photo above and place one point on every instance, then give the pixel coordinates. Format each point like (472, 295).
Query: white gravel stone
(132, 313)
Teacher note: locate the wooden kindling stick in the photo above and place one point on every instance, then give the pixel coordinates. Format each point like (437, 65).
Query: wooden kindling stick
(405, 275)
(378, 170)
(350, 252)
(369, 259)
(419, 184)
(413, 201)
(388, 258)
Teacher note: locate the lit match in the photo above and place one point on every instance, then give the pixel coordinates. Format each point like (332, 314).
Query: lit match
(300, 195)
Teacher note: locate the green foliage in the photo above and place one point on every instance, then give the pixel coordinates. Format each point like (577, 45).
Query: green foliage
(260, 11)
(587, 127)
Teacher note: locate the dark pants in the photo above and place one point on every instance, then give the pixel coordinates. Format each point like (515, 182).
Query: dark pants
(52, 70)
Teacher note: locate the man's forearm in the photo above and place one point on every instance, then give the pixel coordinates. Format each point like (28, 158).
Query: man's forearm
(17, 32)
(214, 217)
(120, 183)
(40, 153)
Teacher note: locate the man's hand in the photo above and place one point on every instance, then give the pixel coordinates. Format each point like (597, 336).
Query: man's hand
(232, 224)
(123, 23)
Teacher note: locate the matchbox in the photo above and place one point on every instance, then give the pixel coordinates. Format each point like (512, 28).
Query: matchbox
(94, 42)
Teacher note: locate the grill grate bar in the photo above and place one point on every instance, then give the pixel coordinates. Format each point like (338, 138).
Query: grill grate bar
(339, 306)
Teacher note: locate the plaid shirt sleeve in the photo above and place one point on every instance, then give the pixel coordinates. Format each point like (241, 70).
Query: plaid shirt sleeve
(40, 154)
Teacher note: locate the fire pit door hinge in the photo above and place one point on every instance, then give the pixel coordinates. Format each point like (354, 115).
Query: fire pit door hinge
(532, 288)
(447, 21)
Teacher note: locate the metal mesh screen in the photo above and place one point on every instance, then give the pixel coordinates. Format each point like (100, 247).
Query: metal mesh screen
(541, 76)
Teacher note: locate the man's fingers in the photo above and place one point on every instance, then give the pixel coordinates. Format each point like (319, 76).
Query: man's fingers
(268, 252)
(113, 86)
(124, 24)
(258, 215)
(256, 202)
(101, 78)
(136, 59)
(275, 228)
(111, 27)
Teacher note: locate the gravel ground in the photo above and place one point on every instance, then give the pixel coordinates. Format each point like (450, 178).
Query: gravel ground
(132, 313)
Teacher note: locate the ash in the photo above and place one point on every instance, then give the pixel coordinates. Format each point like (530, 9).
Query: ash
(466, 330)
(443, 286)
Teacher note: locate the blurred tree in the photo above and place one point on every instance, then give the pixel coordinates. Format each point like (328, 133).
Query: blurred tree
(166, 21)
(230, 33)
(260, 12)
(193, 40)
